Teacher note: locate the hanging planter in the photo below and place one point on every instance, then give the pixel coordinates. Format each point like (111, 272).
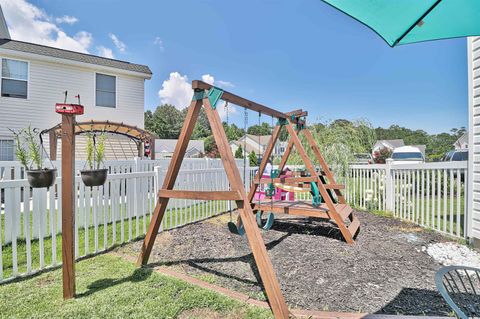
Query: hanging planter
(94, 175)
(41, 178)
(31, 154)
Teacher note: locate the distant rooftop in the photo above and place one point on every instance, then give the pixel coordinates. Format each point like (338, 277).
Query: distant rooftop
(33, 48)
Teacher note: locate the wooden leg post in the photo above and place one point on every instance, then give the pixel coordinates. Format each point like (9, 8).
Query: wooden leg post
(68, 205)
(260, 254)
(169, 182)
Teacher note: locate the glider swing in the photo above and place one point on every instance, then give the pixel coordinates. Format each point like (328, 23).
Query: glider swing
(332, 207)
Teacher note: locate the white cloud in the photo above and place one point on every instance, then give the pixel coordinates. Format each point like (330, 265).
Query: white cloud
(119, 44)
(66, 19)
(105, 52)
(157, 41)
(207, 78)
(225, 84)
(29, 23)
(177, 90)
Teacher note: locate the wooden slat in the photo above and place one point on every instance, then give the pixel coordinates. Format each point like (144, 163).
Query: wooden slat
(334, 186)
(344, 210)
(172, 173)
(200, 195)
(286, 180)
(298, 208)
(353, 227)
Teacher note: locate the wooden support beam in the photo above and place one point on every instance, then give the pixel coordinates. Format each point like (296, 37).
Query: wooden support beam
(240, 101)
(199, 195)
(53, 144)
(265, 158)
(323, 164)
(255, 240)
(321, 187)
(68, 205)
(169, 182)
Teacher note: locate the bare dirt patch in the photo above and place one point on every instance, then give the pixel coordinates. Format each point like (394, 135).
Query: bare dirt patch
(385, 272)
(203, 313)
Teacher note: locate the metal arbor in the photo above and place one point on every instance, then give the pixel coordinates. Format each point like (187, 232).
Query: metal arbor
(208, 96)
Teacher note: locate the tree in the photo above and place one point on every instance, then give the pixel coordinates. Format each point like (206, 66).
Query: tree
(262, 129)
(202, 126)
(252, 157)
(166, 122)
(211, 149)
(239, 152)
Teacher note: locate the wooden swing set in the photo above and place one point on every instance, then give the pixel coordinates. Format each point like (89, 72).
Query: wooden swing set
(332, 205)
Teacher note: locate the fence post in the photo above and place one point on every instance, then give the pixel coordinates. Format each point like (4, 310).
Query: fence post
(389, 190)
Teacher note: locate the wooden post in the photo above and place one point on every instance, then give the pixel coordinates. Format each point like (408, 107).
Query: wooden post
(152, 148)
(68, 205)
(169, 182)
(52, 142)
(263, 164)
(260, 254)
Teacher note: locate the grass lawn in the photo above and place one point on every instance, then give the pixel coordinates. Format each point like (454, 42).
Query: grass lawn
(110, 287)
(86, 237)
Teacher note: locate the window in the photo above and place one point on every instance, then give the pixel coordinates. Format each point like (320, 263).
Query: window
(14, 78)
(460, 156)
(6, 150)
(105, 90)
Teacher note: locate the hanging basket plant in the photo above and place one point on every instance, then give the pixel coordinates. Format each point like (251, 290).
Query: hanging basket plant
(94, 175)
(31, 154)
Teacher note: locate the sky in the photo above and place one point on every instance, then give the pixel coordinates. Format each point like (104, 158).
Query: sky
(283, 54)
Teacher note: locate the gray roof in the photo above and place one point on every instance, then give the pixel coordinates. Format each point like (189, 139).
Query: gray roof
(393, 143)
(168, 145)
(4, 33)
(71, 55)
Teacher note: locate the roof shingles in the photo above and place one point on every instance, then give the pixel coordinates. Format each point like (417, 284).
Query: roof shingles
(71, 55)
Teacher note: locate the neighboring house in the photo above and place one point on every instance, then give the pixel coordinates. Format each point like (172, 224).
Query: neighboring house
(473, 196)
(388, 144)
(34, 77)
(164, 148)
(258, 144)
(462, 142)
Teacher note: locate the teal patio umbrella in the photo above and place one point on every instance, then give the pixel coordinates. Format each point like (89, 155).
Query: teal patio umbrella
(409, 21)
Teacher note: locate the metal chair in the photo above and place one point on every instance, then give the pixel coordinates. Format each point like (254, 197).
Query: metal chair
(460, 287)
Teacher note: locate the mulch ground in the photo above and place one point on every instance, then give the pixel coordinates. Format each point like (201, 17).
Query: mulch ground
(384, 272)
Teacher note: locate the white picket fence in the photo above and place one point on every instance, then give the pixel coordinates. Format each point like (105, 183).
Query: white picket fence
(118, 212)
(432, 195)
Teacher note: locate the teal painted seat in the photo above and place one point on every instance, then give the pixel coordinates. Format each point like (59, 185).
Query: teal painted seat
(460, 287)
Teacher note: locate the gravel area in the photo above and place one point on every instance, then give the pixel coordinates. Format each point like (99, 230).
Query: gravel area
(386, 271)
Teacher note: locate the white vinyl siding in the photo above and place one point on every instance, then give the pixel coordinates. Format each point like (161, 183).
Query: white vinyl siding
(14, 78)
(473, 226)
(48, 81)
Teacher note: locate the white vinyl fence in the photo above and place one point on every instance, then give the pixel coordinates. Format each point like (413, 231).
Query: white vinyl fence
(117, 212)
(432, 195)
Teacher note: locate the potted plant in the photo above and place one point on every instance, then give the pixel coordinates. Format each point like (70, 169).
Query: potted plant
(29, 152)
(94, 175)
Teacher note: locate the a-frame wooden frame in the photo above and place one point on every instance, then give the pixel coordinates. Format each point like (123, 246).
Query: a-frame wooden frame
(334, 208)
(207, 96)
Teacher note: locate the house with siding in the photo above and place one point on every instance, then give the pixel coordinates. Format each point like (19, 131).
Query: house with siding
(473, 180)
(34, 77)
(257, 144)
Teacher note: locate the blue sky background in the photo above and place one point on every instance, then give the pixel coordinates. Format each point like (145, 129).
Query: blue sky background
(285, 54)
